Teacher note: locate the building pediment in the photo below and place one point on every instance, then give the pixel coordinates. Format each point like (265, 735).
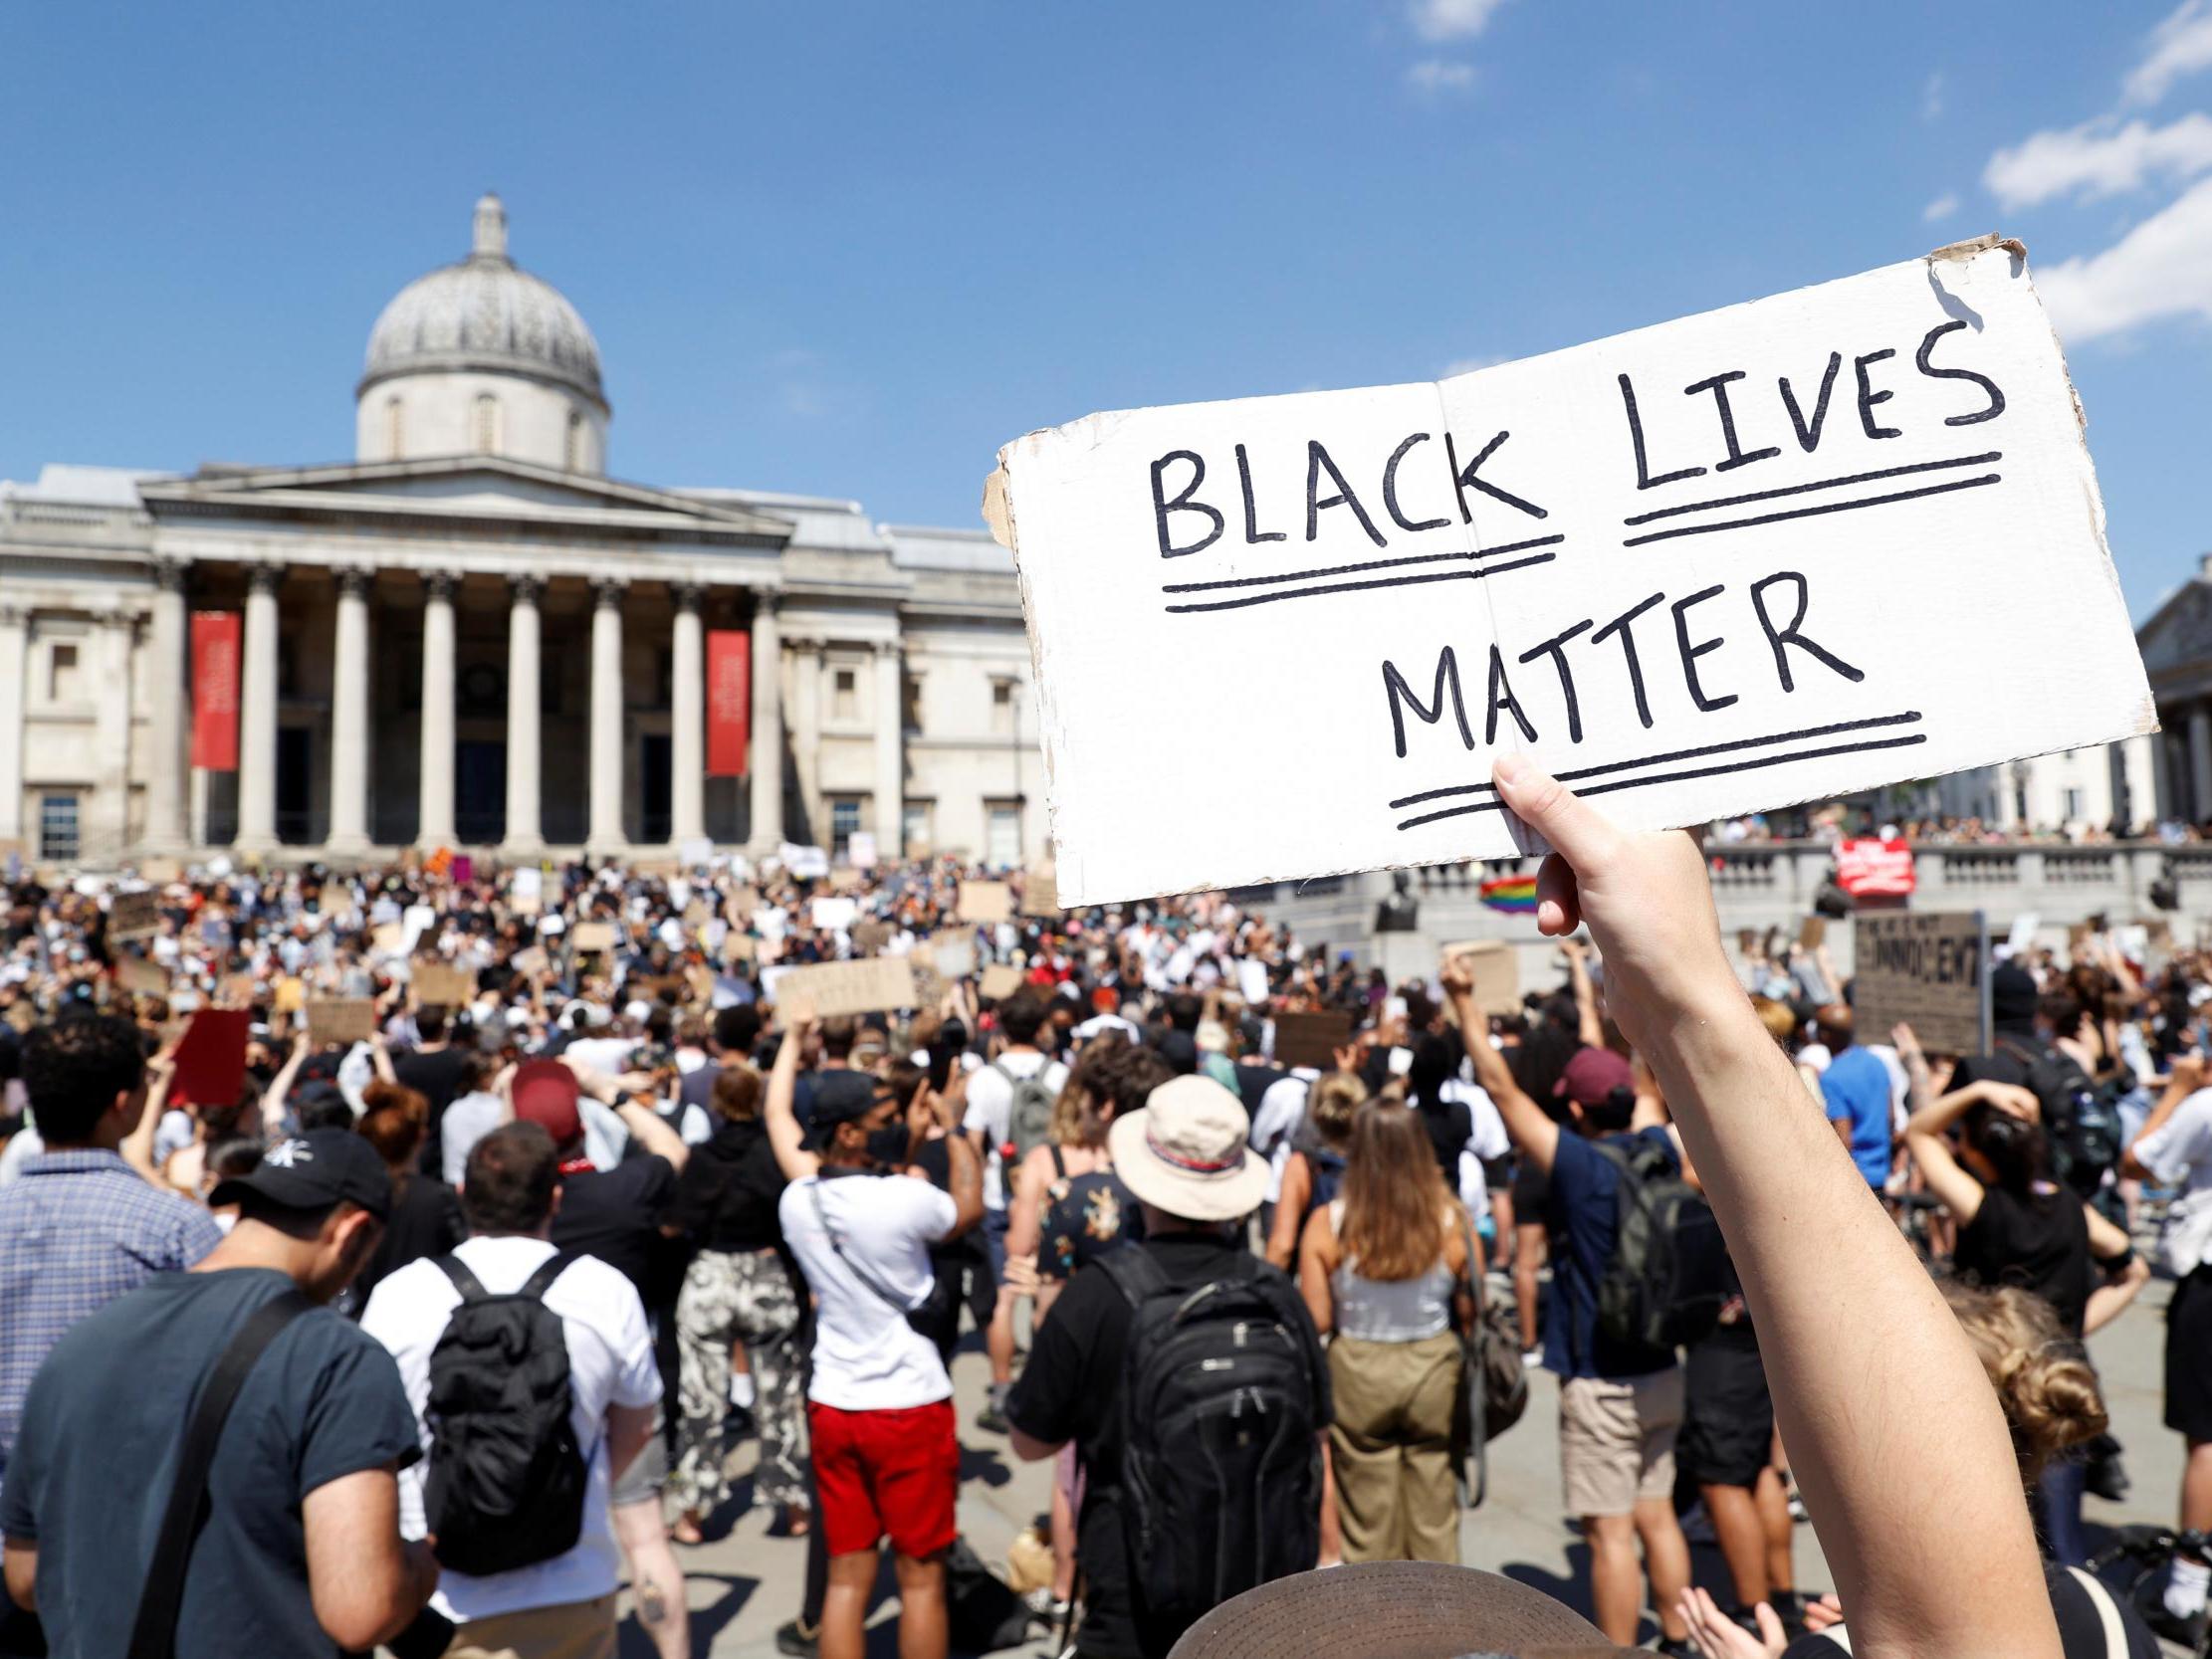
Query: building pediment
(2179, 636)
(460, 493)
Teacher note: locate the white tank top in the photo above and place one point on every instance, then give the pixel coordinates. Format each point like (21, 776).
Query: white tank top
(1389, 1310)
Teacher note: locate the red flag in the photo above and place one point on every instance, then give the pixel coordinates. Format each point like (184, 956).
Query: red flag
(729, 701)
(211, 1057)
(215, 637)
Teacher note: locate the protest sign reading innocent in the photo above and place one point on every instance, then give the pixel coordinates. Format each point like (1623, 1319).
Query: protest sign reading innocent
(1772, 552)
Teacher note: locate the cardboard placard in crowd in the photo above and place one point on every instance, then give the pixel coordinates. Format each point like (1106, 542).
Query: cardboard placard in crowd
(871, 936)
(388, 939)
(211, 1057)
(239, 991)
(834, 914)
(1812, 933)
(860, 850)
(1000, 982)
(289, 995)
(1040, 892)
(590, 937)
(875, 984)
(141, 977)
(1496, 967)
(1685, 639)
(160, 871)
(441, 985)
(740, 947)
(340, 1019)
(1311, 1039)
(985, 902)
(1926, 969)
(803, 863)
(2022, 938)
(133, 916)
(531, 959)
(697, 914)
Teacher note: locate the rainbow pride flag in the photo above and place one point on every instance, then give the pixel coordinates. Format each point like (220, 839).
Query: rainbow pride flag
(1514, 894)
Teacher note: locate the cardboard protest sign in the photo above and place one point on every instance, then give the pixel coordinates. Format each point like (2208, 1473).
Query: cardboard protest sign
(133, 916)
(531, 959)
(836, 914)
(1040, 892)
(985, 902)
(291, 995)
(1000, 982)
(340, 1019)
(871, 936)
(389, 939)
(876, 984)
(1311, 1039)
(160, 871)
(589, 937)
(2022, 938)
(697, 914)
(1496, 967)
(141, 977)
(1697, 571)
(740, 947)
(441, 985)
(806, 863)
(1812, 933)
(211, 1057)
(1928, 970)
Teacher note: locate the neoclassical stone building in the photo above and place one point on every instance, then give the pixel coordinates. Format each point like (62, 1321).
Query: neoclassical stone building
(471, 636)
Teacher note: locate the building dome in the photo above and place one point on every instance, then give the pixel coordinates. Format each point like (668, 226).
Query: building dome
(482, 358)
(484, 312)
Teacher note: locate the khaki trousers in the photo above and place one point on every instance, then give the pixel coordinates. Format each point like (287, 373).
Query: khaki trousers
(1391, 1447)
(572, 1630)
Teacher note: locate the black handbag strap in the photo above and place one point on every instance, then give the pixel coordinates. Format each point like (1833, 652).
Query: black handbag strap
(153, 1631)
(1477, 1365)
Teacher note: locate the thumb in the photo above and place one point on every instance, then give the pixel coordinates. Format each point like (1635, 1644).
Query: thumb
(1770, 1628)
(1579, 833)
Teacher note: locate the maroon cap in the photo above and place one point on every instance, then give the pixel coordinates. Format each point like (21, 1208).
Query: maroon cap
(1592, 1075)
(544, 1093)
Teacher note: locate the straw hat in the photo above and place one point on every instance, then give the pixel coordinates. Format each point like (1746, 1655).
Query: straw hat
(1186, 1153)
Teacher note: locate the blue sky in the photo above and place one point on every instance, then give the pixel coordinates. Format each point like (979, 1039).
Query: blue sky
(851, 248)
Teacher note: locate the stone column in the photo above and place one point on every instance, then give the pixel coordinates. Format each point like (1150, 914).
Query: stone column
(167, 830)
(606, 835)
(2200, 763)
(109, 832)
(890, 790)
(257, 713)
(687, 714)
(434, 797)
(15, 652)
(767, 727)
(806, 726)
(348, 834)
(2161, 777)
(525, 837)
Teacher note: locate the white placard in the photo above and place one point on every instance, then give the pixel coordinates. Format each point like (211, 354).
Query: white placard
(860, 850)
(806, 863)
(1766, 555)
(837, 914)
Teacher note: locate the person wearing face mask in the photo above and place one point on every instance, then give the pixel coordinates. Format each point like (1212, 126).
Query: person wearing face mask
(860, 1217)
(298, 1547)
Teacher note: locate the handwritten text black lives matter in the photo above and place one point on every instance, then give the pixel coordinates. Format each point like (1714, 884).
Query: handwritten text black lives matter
(1843, 400)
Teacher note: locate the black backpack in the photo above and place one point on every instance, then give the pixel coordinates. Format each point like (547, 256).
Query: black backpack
(1221, 1487)
(506, 1477)
(2079, 1116)
(1668, 1276)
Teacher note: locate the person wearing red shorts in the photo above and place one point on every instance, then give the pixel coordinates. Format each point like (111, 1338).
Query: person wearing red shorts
(860, 1217)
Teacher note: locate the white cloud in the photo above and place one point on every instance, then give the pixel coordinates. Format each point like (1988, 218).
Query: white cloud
(2098, 158)
(1439, 75)
(2156, 271)
(1467, 366)
(1941, 208)
(1456, 20)
(1931, 98)
(2180, 46)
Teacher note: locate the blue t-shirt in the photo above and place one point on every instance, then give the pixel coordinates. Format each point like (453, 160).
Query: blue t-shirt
(1856, 1087)
(1583, 1214)
(101, 1432)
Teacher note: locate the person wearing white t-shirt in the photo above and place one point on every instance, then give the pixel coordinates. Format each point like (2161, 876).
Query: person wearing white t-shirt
(2175, 1148)
(990, 1129)
(860, 1217)
(565, 1604)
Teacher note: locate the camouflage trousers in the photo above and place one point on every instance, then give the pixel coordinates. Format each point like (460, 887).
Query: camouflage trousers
(741, 1297)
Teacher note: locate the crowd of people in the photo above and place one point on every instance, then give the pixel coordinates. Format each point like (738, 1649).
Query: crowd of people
(438, 1334)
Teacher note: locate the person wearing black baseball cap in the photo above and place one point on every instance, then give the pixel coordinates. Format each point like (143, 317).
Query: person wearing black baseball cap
(301, 1548)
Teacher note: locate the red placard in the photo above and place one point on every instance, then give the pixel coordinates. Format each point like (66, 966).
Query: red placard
(211, 1058)
(215, 636)
(1872, 868)
(729, 699)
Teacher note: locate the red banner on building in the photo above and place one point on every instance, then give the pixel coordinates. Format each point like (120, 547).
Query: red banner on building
(729, 701)
(1871, 869)
(215, 690)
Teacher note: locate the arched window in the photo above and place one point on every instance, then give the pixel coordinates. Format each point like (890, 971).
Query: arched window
(394, 429)
(571, 449)
(487, 423)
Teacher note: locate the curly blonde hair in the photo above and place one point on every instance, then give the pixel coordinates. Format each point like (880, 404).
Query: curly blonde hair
(2043, 1381)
